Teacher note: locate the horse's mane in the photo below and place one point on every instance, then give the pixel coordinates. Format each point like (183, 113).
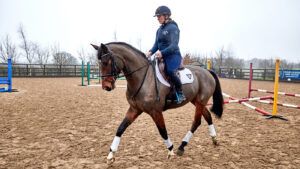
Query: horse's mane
(129, 46)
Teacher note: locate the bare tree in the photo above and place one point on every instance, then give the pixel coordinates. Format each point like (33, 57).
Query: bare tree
(87, 56)
(92, 58)
(266, 63)
(26, 45)
(42, 55)
(64, 58)
(220, 54)
(82, 55)
(8, 50)
(55, 51)
(233, 62)
(61, 57)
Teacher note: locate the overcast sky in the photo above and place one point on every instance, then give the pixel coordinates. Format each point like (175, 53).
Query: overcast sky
(251, 28)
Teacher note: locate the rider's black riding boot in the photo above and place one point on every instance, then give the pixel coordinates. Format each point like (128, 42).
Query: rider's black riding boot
(178, 86)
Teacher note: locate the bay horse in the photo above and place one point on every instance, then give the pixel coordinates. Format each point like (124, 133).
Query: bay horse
(119, 57)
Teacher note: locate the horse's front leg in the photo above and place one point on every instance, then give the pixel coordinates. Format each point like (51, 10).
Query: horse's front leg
(131, 115)
(160, 123)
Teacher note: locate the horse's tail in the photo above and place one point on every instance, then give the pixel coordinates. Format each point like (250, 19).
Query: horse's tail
(218, 101)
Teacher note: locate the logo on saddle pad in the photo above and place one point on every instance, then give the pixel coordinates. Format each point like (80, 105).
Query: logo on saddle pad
(189, 76)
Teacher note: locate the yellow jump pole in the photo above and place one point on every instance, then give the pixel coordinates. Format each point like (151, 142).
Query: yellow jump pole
(208, 64)
(276, 86)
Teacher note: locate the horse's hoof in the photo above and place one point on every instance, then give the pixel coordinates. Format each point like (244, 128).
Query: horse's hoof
(110, 158)
(179, 152)
(171, 154)
(215, 141)
(110, 161)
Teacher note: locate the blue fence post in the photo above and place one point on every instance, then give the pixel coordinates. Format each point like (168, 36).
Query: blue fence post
(7, 80)
(9, 76)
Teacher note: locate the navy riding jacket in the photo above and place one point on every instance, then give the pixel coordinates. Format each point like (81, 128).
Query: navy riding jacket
(167, 39)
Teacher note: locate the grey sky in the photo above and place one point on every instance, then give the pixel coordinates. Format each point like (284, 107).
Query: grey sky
(251, 28)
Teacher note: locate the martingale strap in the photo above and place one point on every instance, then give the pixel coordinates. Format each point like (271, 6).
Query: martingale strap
(141, 83)
(153, 63)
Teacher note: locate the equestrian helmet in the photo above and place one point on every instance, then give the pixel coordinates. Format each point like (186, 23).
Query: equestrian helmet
(162, 10)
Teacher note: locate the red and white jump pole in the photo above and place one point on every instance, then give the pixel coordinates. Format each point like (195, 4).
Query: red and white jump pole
(263, 112)
(280, 104)
(281, 93)
(262, 90)
(248, 99)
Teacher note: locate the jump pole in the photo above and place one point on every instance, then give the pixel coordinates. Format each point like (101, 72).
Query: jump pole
(248, 99)
(82, 73)
(250, 80)
(10, 75)
(280, 93)
(275, 97)
(263, 90)
(7, 80)
(88, 72)
(280, 104)
(208, 64)
(263, 112)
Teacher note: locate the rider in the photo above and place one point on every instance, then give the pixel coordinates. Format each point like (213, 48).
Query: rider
(166, 47)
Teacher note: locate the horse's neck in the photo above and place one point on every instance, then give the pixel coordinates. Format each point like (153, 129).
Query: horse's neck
(136, 68)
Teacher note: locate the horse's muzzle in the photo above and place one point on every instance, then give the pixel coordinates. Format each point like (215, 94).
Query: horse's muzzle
(108, 84)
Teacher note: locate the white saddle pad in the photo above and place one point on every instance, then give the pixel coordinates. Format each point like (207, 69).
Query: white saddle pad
(185, 75)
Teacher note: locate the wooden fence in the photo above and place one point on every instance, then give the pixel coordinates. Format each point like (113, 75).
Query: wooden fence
(258, 74)
(48, 70)
(51, 70)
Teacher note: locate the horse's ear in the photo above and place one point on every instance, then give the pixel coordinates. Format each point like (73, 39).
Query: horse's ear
(104, 48)
(95, 46)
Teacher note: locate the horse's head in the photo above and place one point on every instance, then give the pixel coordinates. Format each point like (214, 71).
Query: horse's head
(108, 66)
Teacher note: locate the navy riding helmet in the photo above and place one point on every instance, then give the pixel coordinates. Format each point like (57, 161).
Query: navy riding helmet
(162, 10)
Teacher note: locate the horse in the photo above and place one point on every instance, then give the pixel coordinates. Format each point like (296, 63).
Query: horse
(145, 94)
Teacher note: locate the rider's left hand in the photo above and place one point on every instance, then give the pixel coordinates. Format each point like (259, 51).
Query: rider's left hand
(158, 54)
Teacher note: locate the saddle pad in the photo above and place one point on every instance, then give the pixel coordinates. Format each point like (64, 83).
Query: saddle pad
(185, 75)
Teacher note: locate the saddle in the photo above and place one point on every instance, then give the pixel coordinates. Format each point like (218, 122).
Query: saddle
(171, 97)
(184, 74)
(161, 67)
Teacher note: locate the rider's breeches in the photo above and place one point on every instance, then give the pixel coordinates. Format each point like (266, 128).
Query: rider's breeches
(172, 63)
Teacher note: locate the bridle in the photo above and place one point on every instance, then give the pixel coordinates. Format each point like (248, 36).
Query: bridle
(115, 71)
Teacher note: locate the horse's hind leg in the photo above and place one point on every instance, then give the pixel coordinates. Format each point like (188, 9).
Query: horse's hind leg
(195, 125)
(211, 127)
